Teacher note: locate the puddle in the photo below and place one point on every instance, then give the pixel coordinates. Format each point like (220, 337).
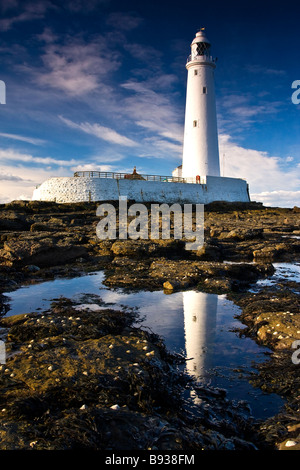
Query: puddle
(283, 272)
(195, 324)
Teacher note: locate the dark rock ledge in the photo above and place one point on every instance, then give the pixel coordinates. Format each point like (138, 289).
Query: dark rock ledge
(64, 375)
(77, 379)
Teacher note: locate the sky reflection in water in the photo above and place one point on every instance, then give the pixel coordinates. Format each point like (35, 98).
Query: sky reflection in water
(196, 324)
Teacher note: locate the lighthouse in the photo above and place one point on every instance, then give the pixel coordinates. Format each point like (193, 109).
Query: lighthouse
(200, 160)
(200, 144)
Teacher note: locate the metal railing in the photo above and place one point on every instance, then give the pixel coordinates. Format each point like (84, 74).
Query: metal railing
(200, 58)
(119, 176)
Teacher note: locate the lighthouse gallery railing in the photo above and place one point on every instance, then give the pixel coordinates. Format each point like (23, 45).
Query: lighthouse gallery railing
(118, 176)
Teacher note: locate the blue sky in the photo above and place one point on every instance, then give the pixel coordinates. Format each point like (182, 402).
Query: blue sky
(100, 84)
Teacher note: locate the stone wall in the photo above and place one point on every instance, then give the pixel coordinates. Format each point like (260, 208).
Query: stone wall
(81, 189)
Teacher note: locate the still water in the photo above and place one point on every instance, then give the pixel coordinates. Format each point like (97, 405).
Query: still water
(195, 324)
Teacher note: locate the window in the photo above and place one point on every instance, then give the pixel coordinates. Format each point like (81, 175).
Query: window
(195, 72)
(204, 90)
(203, 48)
(194, 123)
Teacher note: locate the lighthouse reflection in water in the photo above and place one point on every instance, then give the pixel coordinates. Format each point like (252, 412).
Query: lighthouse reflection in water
(200, 319)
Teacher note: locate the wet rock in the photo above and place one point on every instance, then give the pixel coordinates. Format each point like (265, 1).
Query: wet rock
(11, 220)
(272, 319)
(40, 227)
(53, 398)
(31, 268)
(66, 389)
(42, 250)
(209, 252)
(242, 234)
(270, 252)
(218, 286)
(175, 285)
(104, 247)
(146, 248)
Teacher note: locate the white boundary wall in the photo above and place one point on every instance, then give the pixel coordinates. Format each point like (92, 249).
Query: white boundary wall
(82, 189)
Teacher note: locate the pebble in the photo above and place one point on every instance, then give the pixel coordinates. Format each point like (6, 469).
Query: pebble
(151, 353)
(115, 407)
(290, 443)
(83, 407)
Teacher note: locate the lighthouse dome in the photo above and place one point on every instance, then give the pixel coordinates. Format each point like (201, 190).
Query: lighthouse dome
(201, 37)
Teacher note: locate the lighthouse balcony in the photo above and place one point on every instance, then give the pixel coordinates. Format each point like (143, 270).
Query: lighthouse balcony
(200, 58)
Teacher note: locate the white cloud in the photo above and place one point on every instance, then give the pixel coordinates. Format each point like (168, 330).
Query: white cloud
(172, 148)
(265, 70)
(123, 21)
(101, 132)
(265, 175)
(93, 167)
(24, 180)
(152, 108)
(144, 53)
(76, 67)
(9, 177)
(30, 11)
(280, 198)
(242, 109)
(9, 155)
(29, 140)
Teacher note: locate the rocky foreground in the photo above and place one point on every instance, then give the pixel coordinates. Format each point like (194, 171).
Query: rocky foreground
(81, 379)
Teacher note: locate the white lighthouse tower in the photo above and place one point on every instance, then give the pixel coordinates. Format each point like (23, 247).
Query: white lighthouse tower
(200, 145)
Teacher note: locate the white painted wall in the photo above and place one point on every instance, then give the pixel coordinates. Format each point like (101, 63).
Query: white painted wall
(78, 189)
